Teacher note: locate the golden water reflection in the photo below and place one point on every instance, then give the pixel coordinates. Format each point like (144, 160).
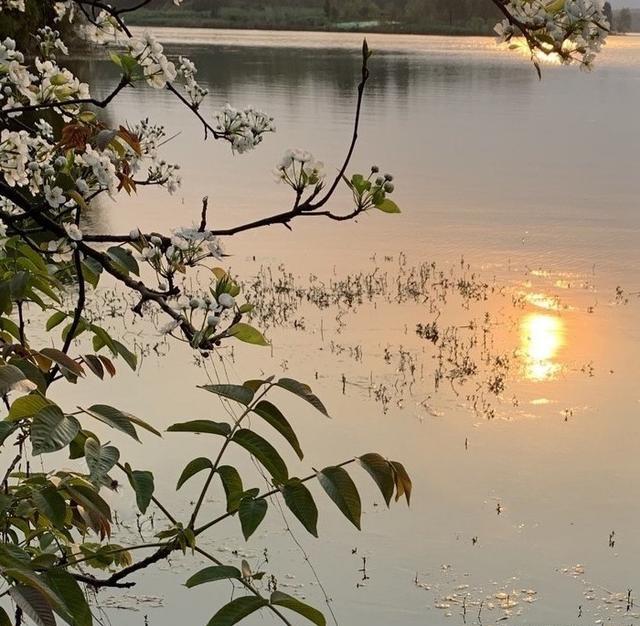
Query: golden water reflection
(541, 337)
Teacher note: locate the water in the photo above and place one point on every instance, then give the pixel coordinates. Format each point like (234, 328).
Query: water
(526, 188)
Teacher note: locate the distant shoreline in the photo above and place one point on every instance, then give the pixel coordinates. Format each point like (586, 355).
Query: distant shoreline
(175, 20)
(378, 30)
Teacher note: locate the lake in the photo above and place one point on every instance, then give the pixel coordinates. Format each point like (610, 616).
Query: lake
(487, 337)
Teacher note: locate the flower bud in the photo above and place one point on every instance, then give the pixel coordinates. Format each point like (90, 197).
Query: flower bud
(226, 300)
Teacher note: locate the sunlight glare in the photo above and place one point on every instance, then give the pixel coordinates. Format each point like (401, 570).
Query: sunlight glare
(541, 337)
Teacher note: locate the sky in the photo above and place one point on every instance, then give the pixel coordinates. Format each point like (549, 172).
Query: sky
(619, 4)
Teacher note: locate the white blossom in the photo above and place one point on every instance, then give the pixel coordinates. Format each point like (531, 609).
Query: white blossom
(73, 231)
(54, 196)
(227, 301)
(572, 30)
(169, 327)
(157, 69)
(243, 129)
(299, 169)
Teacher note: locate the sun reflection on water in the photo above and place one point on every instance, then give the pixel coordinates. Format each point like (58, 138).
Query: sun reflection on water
(541, 338)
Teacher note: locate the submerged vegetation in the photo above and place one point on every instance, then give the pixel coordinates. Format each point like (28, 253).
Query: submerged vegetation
(59, 154)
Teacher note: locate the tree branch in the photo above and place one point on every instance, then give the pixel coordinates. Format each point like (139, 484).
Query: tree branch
(264, 496)
(124, 81)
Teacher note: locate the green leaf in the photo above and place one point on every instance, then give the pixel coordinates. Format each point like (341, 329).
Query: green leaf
(213, 574)
(57, 318)
(192, 468)
(63, 360)
(34, 604)
(264, 452)
(4, 618)
(143, 485)
(113, 417)
(124, 259)
(91, 271)
(300, 502)
(51, 504)
(302, 391)
(342, 490)
(129, 357)
(388, 206)
(248, 334)
(6, 430)
(100, 459)
(11, 556)
(77, 611)
(10, 376)
(6, 305)
(19, 283)
(251, 513)
(102, 338)
(201, 426)
(402, 480)
(10, 326)
(79, 329)
(237, 610)
(232, 485)
(293, 604)
(360, 183)
(256, 383)
(272, 415)
(144, 425)
(33, 373)
(27, 406)
(239, 393)
(76, 447)
(52, 430)
(94, 364)
(90, 500)
(382, 473)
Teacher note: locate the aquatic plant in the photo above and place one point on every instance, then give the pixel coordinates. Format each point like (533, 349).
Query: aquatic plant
(59, 155)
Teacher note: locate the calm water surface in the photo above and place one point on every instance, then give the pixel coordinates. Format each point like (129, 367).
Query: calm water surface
(525, 195)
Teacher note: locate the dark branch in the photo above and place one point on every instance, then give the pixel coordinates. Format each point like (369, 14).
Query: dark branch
(124, 81)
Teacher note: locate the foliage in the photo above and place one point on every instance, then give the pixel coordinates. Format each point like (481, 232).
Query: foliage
(58, 155)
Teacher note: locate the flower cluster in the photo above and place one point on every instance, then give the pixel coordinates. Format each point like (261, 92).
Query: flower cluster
(300, 170)
(573, 30)
(15, 79)
(71, 174)
(187, 72)
(208, 313)
(99, 171)
(156, 67)
(373, 191)
(14, 157)
(243, 129)
(50, 43)
(48, 83)
(187, 248)
(102, 29)
(12, 5)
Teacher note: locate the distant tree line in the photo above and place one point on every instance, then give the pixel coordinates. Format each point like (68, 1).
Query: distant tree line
(24, 25)
(462, 16)
(416, 12)
(623, 21)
